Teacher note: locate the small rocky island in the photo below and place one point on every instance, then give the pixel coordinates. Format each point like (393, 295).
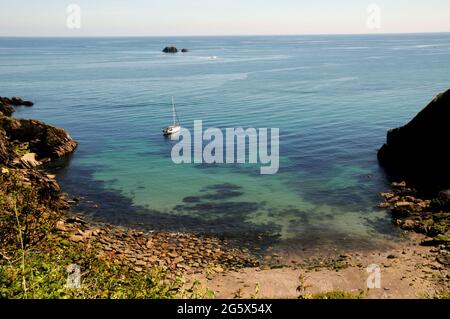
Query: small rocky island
(172, 49)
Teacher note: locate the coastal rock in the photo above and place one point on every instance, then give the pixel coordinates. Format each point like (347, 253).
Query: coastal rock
(384, 205)
(15, 101)
(29, 160)
(403, 209)
(6, 109)
(418, 150)
(387, 195)
(5, 155)
(49, 188)
(408, 224)
(398, 186)
(427, 216)
(184, 50)
(171, 49)
(76, 238)
(442, 201)
(444, 195)
(44, 140)
(444, 259)
(60, 226)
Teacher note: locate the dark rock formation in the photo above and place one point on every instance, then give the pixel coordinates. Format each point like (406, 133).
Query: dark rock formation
(7, 105)
(15, 101)
(26, 144)
(6, 109)
(44, 140)
(419, 151)
(5, 148)
(442, 201)
(170, 50)
(184, 50)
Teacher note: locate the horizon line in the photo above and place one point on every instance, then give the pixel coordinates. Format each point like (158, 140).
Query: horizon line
(221, 35)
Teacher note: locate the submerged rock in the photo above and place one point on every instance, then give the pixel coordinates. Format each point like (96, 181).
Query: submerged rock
(419, 149)
(170, 50)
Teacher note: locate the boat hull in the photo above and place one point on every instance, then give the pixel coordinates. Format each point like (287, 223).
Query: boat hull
(171, 130)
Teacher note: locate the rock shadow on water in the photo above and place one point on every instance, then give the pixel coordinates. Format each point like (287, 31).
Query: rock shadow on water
(216, 192)
(198, 214)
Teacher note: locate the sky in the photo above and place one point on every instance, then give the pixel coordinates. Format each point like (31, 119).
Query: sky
(221, 17)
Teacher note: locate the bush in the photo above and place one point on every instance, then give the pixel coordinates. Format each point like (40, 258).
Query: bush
(34, 258)
(24, 217)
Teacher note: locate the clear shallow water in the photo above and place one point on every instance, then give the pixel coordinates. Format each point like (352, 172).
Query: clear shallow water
(333, 97)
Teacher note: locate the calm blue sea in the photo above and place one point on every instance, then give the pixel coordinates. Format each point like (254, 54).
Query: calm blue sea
(333, 98)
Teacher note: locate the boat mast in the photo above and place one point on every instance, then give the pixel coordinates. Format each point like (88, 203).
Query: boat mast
(173, 111)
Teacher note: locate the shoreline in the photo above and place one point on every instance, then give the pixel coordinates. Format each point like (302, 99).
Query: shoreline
(408, 269)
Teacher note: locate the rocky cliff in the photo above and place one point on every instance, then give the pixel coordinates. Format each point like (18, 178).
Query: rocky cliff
(27, 144)
(419, 149)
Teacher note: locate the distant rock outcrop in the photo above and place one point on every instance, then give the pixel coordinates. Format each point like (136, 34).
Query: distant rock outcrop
(170, 50)
(7, 105)
(419, 149)
(184, 50)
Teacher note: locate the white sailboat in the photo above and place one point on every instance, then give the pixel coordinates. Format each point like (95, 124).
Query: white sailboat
(175, 127)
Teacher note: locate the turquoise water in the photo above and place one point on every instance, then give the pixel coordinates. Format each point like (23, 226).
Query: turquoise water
(333, 98)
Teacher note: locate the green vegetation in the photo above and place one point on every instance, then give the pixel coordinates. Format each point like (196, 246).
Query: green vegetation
(303, 287)
(22, 149)
(34, 258)
(437, 226)
(339, 295)
(44, 275)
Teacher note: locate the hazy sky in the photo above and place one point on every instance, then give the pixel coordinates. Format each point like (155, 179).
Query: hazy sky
(220, 17)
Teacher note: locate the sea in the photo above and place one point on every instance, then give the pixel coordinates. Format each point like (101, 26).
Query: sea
(333, 98)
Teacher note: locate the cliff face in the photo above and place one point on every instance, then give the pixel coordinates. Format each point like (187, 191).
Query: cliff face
(419, 149)
(44, 140)
(27, 144)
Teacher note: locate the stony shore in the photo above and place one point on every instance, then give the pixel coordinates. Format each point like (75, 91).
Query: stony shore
(188, 253)
(430, 217)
